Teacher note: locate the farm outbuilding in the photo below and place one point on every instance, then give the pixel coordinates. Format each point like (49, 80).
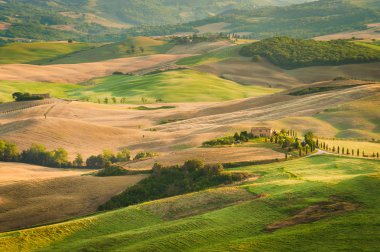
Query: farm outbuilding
(262, 131)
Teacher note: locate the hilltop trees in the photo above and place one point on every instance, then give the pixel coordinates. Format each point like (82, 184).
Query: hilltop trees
(293, 53)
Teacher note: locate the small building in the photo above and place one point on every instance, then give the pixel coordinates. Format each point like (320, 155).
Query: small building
(262, 131)
(43, 96)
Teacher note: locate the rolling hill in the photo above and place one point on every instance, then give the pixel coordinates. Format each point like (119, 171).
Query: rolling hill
(30, 52)
(169, 86)
(101, 20)
(306, 20)
(319, 196)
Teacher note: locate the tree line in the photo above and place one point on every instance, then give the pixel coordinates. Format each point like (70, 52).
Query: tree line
(38, 154)
(346, 151)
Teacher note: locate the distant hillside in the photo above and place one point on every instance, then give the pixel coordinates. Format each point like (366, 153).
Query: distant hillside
(293, 53)
(103, 20)
(305, 20)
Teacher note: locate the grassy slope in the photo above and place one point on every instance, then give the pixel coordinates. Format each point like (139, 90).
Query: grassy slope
(30, 52)
(370, 45)
(171, 86)
(115, 50)
(7, 88)
(288, 187)
(368, 147)
(357, 119)
(214, 56)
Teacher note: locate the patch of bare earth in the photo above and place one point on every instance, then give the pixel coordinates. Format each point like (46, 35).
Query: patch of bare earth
(314, 213)
(33, 195)
(4, 26)
(75, 73)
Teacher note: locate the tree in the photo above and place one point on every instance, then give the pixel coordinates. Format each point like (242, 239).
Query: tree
(106, 100)
(96, 162)
(124, 155)
(8, 152)
(78, 161)
(109, 156)
(309, 139)
(142, 49)
(60, 157)
(114, 99)
(237, 136)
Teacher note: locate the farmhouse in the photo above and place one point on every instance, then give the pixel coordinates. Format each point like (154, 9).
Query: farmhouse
(262, 131)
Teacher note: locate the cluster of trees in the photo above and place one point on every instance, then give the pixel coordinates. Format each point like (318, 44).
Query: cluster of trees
(107, 158)
(132, 49)
(18, 96)
(292, 53)
(288, 140)
(36, 154)
(346, 151)
(243, 136)
(192, 176)
(145, 154)
(197, 38)
(58, 158)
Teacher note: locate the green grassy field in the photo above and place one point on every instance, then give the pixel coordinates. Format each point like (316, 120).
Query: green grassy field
(368, 147)
(114, 50)
(34, 52)
(7, 88)
(215, 56)
(359, 119)
(229, 220)
(170, 86)
(370, 45)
